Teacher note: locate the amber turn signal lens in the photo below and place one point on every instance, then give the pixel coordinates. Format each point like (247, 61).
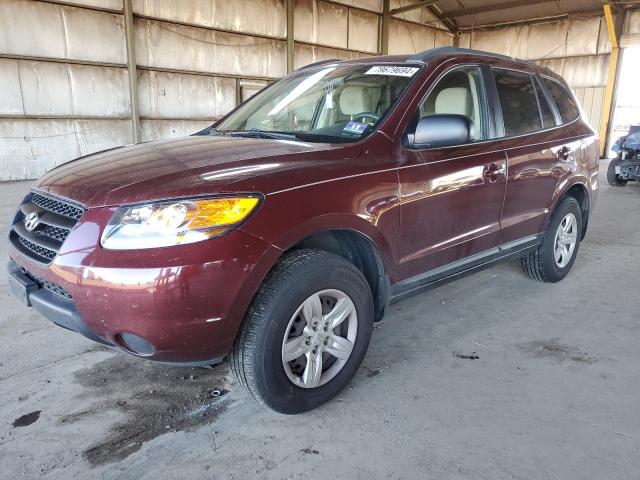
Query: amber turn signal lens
(219, 212)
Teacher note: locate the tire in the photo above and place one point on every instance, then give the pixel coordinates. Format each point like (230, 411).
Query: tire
(257, 359)
(541, 264)
(613, 179)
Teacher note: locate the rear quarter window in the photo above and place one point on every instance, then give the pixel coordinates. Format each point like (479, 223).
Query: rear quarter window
(564, 100)
(545, 110)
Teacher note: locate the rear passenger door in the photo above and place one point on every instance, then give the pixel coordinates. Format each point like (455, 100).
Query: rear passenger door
(540, 154)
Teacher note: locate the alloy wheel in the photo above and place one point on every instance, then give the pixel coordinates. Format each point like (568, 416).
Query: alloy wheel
(319, 338)
(565, 240)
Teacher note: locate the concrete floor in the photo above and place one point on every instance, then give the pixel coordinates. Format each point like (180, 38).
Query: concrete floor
(554, 393)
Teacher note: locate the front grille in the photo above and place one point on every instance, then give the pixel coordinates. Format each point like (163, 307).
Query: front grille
(37, 249)
(57, 206)
(50, 286)
(55, 219)
(56, 233)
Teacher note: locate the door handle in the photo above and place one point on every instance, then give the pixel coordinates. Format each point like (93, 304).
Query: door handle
(493, 171)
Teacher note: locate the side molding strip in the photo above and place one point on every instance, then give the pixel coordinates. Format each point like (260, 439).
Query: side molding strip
(459, 268)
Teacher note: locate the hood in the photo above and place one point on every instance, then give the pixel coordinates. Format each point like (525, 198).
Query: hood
(187, 166)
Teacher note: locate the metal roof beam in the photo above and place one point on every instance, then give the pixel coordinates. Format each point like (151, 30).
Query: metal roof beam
(493, 8)
(530, 21)
(450, 23)
(413, 6)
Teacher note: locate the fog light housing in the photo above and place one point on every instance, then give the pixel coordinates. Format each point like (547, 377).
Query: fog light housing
(135, 344)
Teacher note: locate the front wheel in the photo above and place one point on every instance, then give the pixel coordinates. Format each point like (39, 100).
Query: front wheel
(612, 177)
(554, 257)
(305, 333)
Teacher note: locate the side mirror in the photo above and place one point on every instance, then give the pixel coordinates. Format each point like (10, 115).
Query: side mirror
(441, 130)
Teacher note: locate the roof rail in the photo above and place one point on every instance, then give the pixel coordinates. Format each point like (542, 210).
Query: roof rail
(441, 51)
(437, 52)
(315, 64)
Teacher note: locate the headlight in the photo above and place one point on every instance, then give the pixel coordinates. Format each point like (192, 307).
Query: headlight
(175, 222)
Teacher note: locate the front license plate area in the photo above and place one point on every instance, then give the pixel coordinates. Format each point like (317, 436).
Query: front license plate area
(21, 286)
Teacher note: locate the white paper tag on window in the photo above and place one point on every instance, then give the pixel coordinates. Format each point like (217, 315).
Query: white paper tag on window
(393, 70)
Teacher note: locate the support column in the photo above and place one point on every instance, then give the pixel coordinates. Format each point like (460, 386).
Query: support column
(612, 74)
(132, 71)
(384, 28)
(290, 36)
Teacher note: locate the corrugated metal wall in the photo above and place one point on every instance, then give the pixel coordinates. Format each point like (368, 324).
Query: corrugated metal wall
(63, 84)
(408, 35)
(631, 31)
(578, 49)
(63, 65)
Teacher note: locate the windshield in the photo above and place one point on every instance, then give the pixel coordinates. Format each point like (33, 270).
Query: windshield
(334, 104)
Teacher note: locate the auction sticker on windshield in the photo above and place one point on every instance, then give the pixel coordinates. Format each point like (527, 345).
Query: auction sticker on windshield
(393, 70)
(355, 127)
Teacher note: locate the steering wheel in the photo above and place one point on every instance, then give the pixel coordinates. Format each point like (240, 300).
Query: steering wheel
(364, 116)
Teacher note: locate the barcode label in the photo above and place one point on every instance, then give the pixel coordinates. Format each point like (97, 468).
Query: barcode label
(393, 70)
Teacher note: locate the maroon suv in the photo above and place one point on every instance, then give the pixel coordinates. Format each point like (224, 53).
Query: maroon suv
(280, 234)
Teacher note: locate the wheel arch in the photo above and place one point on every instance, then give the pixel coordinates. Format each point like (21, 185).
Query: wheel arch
(579, 191)
(346, 235)
(354, 238)
(360, 250)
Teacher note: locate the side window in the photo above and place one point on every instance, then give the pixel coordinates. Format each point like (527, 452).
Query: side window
(518, 101)
(545, 110)
(459, 92)
(565, 102)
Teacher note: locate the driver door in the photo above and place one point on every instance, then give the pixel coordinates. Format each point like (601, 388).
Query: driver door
(451, 197)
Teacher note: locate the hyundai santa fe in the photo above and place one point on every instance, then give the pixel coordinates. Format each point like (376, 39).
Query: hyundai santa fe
(277, 236)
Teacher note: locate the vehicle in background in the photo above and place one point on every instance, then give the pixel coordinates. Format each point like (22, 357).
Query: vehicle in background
(626, 166)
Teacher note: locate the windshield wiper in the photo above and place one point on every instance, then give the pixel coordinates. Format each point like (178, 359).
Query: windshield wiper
(257, 133)
(208, 131)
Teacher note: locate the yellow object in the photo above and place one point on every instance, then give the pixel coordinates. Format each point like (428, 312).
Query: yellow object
(611, 79)
(610, 25)
(219, 212)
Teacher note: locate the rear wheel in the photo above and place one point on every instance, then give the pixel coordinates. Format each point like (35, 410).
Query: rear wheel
(553, 259)
(612, 177)
(306, 332)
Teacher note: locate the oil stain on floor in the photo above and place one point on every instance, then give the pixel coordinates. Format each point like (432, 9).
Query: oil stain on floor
(155, 399)
(560, 352)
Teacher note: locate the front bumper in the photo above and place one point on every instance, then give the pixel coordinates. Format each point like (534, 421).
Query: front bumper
(56, 308)
(187, 302)
(628, 170)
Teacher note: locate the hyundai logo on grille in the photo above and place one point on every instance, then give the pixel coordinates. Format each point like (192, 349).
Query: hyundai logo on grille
(31, 221)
